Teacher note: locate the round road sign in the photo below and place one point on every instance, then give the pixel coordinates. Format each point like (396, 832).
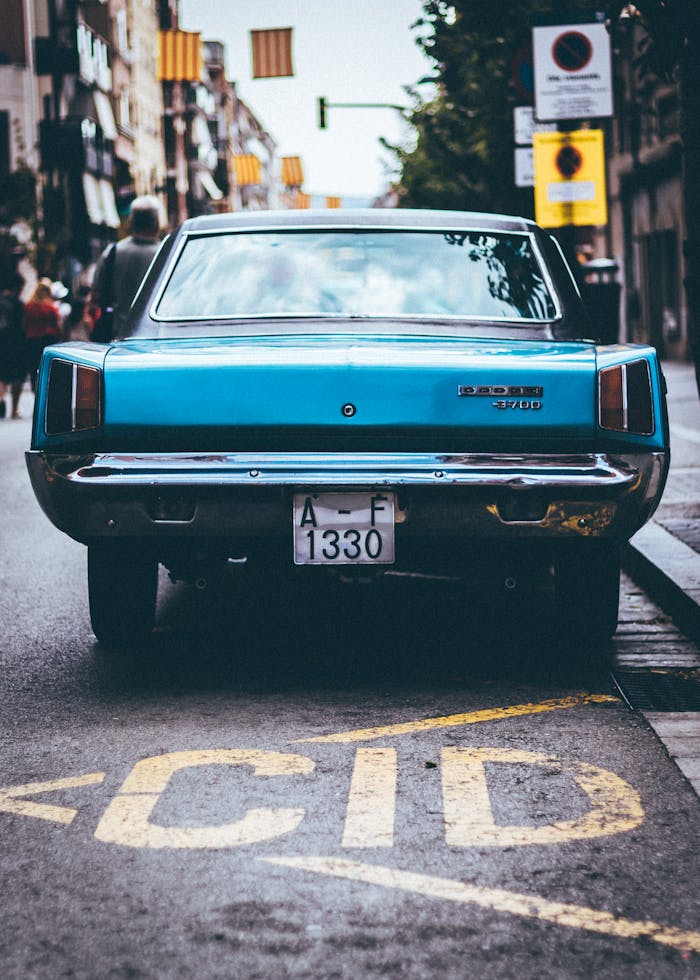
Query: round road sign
(568, 161)
(572, 51)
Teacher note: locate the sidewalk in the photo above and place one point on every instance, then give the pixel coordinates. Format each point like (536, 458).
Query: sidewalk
(664, 557)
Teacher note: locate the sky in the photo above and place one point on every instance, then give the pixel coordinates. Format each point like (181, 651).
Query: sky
(344, 50)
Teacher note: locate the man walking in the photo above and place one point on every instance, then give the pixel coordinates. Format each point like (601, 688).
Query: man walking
(122, 266)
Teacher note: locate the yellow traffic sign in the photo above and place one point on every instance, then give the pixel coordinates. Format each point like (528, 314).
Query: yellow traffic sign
(570, 178)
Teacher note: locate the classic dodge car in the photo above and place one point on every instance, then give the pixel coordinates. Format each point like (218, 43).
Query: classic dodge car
(353, 390)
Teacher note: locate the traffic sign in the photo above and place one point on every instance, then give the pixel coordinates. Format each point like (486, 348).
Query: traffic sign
(524, 167)
(521, 73)
(570, 178)
(525, 124)
(572, 72)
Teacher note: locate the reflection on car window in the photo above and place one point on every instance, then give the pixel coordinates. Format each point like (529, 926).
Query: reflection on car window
(491, 275)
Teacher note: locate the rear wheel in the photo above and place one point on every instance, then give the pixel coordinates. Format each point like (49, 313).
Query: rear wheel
(587, 593)
(122, 586)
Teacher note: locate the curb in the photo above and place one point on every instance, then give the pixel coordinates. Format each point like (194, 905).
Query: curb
(669, 571)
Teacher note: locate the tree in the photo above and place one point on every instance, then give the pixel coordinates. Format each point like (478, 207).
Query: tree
(463, 153)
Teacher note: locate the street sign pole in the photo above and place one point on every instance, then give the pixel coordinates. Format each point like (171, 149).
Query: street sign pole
(573, 83)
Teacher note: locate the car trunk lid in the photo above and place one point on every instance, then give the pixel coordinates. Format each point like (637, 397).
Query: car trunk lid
(290, 385)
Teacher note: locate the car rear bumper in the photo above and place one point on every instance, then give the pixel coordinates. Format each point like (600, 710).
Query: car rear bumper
(241, 497)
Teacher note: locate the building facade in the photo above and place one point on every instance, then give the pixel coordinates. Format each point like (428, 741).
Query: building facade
(255, 180)
(146, 99)
(645, 189)
(89, 119)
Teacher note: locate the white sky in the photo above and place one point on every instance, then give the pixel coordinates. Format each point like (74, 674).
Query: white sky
(352, 51)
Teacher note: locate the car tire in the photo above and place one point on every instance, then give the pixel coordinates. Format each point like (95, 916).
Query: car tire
(122, 588)
(587, 594)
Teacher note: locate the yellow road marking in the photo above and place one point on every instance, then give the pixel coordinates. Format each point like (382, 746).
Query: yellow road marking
(127, 818)
(9, 802)
(470, 718)
(516, 903)
(615, 805)
(369, 821)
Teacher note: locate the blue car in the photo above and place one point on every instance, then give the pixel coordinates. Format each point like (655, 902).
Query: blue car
(353, 391)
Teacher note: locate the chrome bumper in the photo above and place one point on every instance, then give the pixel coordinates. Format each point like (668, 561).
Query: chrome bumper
(246, 494)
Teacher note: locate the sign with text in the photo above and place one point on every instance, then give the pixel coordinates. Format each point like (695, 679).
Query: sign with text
(570, 178)
(572, 72)
(525, 124)
(524, 167)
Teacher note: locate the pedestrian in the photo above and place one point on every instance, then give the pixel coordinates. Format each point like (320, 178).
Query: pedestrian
(122, 266)
(81, 319)
(13, 355)
(59, 293)
(42, 326)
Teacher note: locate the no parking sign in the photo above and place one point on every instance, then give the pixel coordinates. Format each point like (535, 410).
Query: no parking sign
(570, 178)
(572, 73)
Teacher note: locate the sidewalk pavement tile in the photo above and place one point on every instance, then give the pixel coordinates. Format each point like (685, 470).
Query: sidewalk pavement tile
(680, 734)
(669, 557)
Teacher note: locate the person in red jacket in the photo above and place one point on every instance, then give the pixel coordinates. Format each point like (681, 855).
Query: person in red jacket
(42, 326)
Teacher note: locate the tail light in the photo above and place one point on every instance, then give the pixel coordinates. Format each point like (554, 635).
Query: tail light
(74, 397)
(624, 398)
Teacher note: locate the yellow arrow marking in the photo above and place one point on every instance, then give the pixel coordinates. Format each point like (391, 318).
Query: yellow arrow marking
(11, 803)
(470, 718)
(516, 903)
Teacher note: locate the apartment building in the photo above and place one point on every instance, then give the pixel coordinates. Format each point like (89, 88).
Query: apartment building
(646, 221)
(90, 118)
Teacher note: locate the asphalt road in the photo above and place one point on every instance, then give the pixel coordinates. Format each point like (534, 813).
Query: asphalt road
(326, 782)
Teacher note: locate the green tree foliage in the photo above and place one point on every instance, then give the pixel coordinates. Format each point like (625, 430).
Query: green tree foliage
(463, 151)
(463, 156)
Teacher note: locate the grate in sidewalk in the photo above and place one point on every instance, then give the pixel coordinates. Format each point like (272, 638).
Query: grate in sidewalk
(658, 690)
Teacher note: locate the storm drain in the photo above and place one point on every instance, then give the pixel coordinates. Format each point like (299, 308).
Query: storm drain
(658, 690)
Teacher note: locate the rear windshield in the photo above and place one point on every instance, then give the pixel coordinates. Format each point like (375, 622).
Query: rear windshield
(365, 272)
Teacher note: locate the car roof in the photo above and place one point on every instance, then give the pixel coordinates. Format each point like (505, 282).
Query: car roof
(358, 218)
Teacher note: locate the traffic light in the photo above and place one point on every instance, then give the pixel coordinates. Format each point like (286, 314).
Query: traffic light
(322, 106)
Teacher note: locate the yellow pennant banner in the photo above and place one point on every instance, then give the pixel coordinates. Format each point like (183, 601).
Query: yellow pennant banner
(272, 53)
(179, 56)
(247, 170)
(292, 172)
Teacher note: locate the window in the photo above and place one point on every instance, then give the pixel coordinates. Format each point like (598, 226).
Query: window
(364, 272)
(661, 289)
(124, 108)
(122, 33)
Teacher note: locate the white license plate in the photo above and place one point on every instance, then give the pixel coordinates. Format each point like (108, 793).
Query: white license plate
(343, 528)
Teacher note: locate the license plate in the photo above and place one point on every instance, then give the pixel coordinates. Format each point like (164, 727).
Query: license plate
(343, 528)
